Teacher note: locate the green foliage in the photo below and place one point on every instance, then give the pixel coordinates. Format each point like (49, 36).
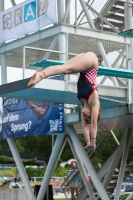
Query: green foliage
(61, 171)
(4, 145)
(39, 172)
(37, 143)
(32, 172)
(4, 159)
(19, 146)
(30, 161)
(14, 171)
(42, 145)
(9, 173)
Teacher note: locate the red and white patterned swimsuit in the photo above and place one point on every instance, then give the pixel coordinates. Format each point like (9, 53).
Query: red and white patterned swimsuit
(86, 84)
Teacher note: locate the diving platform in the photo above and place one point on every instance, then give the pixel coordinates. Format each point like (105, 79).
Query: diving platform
(114, 113)
(127, 33)
(20, 90)
(106, 71)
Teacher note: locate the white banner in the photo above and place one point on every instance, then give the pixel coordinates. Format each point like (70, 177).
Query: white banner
(27, 17)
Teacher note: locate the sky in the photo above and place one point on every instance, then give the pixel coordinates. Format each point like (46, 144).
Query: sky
(98, 5)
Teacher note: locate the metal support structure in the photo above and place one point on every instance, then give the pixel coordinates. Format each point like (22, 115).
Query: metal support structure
(103, 53)
(105, 167)
(75, 12)
(82, 171)
(1, 5)
(24, 61)
(55, 155)
(66, 11)
(21, 169)
(118, 58)
(128, 25)
(131, 62)
(114, 64)
(62, 41)
(103, 19)
(123, 163)
(13, 2)
(109, 167)
(47, 54)
(115, 161)
(129, 14)
(2, 56)
(63, 47)
(3, 69)
(97, 183)
(60, 5)
(114, 137)
(88, 17)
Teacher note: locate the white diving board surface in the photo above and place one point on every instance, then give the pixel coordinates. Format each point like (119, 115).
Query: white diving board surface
(106, 71)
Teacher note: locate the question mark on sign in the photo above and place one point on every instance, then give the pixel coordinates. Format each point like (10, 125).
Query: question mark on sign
(29, 123)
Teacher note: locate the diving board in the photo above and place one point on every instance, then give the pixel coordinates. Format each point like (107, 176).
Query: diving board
(20, 90)
(106, 71)
(127, 33)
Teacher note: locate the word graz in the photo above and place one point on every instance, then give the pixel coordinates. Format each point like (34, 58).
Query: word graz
(25, 13)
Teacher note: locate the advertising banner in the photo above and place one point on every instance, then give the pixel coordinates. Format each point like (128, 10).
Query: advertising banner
(27, 17)
(24, 118)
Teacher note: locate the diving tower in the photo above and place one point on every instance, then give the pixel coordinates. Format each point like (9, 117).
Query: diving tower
(61, 42)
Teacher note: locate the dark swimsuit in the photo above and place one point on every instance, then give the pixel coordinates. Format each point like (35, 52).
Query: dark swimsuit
(86, 84)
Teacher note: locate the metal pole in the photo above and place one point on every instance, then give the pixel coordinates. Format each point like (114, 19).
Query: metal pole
(1, 5)
(24, 48)
(114, 137)
(60, 5)
(123, 163)
(76, 12)
(2, 56)
(3, 69)
(58, 147)
(86, 12)
(62, 45)
(21, 169)
(97, 183)
(115, 161)
(103, 53)
(62, 39)
(130, 197)
(82, 171)
(66, 10)
(128, 11)
(13, 2)
(49, 52)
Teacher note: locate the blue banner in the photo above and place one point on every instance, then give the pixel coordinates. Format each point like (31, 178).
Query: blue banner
(24, 118)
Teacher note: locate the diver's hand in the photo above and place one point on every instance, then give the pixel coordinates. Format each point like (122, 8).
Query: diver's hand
(37, 77)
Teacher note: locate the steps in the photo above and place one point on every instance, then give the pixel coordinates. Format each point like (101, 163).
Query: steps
(113, 11)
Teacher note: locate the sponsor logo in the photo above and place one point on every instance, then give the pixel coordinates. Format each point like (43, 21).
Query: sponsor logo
(26, 13)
